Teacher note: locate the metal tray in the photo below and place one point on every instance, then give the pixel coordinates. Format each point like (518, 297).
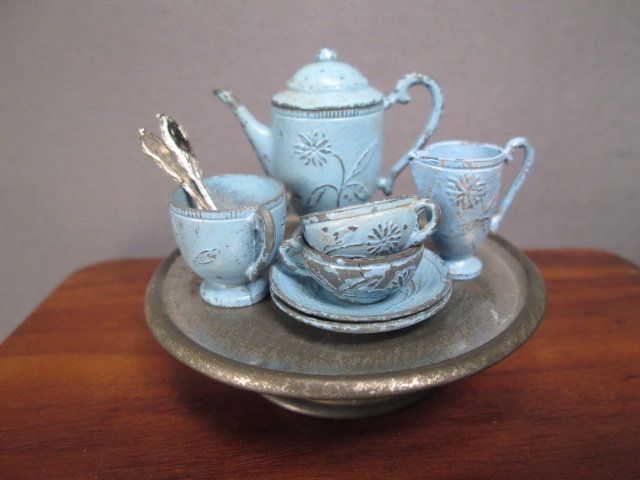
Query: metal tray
(337, 375)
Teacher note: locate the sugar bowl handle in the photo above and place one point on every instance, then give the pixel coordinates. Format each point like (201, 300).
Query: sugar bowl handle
(421, 234)
(265, 228)
(527, 161)
(400, 94)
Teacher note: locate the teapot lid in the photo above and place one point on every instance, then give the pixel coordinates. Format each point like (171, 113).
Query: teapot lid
(327, 84)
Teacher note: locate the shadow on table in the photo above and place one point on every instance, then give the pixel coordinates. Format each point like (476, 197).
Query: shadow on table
(248, 420)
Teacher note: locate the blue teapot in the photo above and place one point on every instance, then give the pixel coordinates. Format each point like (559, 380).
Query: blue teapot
(325, 139)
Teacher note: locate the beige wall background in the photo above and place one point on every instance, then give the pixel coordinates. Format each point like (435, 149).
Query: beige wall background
(79, 78)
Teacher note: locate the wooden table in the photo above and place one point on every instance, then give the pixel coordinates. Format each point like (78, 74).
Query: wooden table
(86, 392)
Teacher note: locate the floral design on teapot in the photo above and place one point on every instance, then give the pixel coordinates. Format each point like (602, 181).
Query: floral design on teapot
(467, 191)
(329, 107)
(315, 149)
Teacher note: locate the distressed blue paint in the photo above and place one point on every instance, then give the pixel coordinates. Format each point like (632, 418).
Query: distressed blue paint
(362, 327)
(325, 138)
(231, 248)
(371, 229)
(464, 180)
(352, 280)
(428, 290)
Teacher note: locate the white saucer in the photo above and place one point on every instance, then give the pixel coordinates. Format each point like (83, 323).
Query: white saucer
(431, 283)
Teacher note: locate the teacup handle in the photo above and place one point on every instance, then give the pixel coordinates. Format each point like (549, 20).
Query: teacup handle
(290, 249)
(400, 94)
(527, 161)
(265, 228)
(421, 234)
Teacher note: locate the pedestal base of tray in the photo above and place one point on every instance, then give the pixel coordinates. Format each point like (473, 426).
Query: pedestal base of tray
(346, 409)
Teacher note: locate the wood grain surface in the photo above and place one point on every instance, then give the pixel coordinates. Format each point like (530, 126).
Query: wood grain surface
(86, 392)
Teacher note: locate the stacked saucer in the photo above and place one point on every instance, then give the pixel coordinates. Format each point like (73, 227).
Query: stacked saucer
(362, 269)
(302, 298)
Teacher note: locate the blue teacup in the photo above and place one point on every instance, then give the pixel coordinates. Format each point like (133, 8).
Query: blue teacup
(352, 280)
(370, 229)
(231, 248)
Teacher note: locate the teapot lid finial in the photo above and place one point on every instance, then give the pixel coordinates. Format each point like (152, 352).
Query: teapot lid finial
(326, 55)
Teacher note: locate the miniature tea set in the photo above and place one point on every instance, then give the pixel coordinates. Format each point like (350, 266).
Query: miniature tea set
(351, 265)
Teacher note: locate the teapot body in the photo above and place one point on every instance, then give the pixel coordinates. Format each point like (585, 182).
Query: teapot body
(327, 158)
(325, 138)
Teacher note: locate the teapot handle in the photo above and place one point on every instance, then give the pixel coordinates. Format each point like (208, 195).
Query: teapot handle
(400, 94)
(527, 161)
(265, 228)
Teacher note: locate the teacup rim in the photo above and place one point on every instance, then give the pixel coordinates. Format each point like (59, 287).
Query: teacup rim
(224, 213)
(425, 156)
(308, 219)
(353, 262)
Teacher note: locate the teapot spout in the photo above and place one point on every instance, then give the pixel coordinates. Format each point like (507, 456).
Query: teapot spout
(259, 134)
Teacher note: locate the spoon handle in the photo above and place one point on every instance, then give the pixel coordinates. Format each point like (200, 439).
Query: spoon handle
(201, 187)
(177, 140)
(164, 158)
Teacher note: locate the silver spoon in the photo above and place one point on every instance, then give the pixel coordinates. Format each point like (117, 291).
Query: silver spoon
(175, 156)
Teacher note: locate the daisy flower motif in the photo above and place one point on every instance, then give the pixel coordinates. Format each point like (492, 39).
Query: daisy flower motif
(313, 149)
(467, 191)
(384, 239)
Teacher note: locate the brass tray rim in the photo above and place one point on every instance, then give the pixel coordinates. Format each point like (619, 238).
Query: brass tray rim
(339, 387)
